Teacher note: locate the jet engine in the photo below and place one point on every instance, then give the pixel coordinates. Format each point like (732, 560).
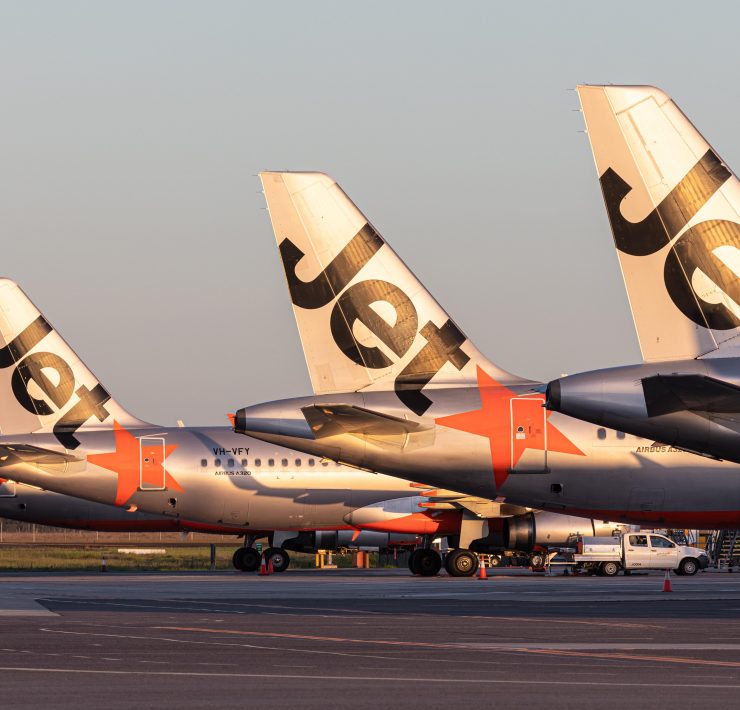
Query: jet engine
(524, 532)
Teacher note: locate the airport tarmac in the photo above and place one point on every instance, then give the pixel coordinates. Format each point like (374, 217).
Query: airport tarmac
(367, 638)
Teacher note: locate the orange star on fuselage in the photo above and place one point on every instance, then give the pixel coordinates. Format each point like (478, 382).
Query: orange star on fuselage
(494, 421)
(126, 462)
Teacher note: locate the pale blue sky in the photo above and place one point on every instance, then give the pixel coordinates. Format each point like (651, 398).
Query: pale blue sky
(131, 133)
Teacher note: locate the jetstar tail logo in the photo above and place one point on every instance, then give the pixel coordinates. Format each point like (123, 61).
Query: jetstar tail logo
(495, 421)
(139, 463)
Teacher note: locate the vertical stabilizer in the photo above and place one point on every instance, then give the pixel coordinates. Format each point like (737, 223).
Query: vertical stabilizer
(44, 386)
(674, 209)
(365, 321)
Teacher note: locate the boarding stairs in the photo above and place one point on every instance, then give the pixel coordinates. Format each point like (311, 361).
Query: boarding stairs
(723, 548)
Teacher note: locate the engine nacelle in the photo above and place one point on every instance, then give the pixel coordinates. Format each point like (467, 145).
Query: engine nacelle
(542, 528)
(314, 540)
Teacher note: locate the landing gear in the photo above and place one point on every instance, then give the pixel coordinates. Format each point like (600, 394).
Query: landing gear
(279, 558)
(461, 563)
(246, 559)
(495, 560)
(425, 562)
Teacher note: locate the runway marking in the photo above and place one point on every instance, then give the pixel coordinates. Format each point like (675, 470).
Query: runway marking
(629, 657)
(387, 679)
(284, 649)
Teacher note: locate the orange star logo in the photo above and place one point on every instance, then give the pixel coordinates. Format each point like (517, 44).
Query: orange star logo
(136, 463)
(509, 439)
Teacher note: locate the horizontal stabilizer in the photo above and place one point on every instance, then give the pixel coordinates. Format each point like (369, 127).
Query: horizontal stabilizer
(14, 454)
(337, 419)
(666, 394)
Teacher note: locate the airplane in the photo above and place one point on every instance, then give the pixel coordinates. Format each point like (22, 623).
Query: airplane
(62, 431)
(32, 505)
(399, 389)
(674, 210)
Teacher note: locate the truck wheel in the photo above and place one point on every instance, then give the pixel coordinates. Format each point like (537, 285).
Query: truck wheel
(689, 566)
(279, 558)
(609, 569)
(537, 560)
(427, 563)
(461, 563)
(495, 561)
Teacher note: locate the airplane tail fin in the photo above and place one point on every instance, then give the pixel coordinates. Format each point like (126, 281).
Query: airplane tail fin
(44, 386)
(674, 209)
(365, 321)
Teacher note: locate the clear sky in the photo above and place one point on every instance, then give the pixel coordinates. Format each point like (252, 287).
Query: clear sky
(131, 134)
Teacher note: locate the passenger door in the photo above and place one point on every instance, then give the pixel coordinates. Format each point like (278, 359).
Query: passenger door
(637, 552)
(663, 552)
(528, 435)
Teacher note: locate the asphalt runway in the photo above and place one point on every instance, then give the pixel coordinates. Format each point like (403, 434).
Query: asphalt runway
(367, 639)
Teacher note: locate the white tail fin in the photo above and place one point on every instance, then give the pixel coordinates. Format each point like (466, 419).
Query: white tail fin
(44, 387)
(365, 321)
(674, 209)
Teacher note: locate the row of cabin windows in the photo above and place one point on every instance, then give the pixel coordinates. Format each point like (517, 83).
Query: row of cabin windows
(258, 462)
(601, 434)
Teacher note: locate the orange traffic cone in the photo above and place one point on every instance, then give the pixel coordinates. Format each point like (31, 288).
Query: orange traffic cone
(270, 569)
(482, 570)
(667, 582)
(263, 568)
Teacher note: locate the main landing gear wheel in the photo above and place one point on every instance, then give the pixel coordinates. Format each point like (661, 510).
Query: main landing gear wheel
(411, 561)
(689, 566)
(246, 559)
(495, 561)
(461, 563)
(279, 558)
(426, 563)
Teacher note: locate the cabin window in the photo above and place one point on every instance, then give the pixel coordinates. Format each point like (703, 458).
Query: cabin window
(284, 463)
(324, 463)
(311, 462)
(620, 435)
(297, 462)
(258, 462)
(231, 463)
(244, 463)
(217, 462)
(204, 462)
(601, 434)
(270, 462)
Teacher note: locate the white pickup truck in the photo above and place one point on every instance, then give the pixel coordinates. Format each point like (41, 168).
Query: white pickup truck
(609, 555)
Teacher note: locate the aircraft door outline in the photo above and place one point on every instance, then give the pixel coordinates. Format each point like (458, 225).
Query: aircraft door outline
(151, 463)
(528, 433)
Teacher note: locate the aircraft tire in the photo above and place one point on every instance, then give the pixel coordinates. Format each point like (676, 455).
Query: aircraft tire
(461, 563)
(689, 566)
(237, 559)
(426, 563)
(249, 559)
(496, 561)
(279, 558)
(411, 561)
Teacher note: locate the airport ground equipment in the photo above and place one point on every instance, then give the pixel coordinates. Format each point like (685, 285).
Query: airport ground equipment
(723, 549)
(630, 551)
